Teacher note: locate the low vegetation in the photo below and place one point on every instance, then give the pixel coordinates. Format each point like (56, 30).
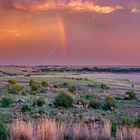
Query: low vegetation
(130, 95)
(4, 132)
(64, 99)
(26, 108)
(104, 87)
(6, 101)
(39, 102)
(110, 103)
(80, 105)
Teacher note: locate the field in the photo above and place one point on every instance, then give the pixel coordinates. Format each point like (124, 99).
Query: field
(70, 99)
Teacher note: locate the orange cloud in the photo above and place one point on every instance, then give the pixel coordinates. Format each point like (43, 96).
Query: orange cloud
(75, 6)
(135, 10)
(12, 32)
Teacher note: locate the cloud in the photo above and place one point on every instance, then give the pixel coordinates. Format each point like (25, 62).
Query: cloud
(12, 32)
(135, 10)
(52, 5)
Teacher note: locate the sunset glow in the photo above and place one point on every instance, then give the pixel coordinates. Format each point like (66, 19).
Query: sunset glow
(91, 31)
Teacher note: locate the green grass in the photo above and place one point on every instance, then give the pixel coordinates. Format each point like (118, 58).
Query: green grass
(49, 97)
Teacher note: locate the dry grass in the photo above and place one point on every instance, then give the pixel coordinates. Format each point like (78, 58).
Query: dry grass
(51, 130)
(128, 133)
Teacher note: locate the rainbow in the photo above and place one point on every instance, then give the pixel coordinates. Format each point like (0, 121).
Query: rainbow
(62, 32)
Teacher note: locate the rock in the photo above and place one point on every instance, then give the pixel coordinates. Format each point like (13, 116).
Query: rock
(20, 101)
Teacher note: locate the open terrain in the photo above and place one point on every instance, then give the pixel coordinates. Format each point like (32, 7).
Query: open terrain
(68, 97)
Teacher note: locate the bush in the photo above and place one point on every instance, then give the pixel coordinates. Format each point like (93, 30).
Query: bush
(55, 86)
(44, 84)
(4, 133)
(113, 129)
(26, 108)
(110, 103)
(137, 122)
(126, 121)
(39, 102)
(15, 89)
(94, 103)
(12, 82)
(34, 86)
(130, 95)
(6, 102)
(32, 92)
(23, 93)
(41, 111)
(64, 100)
(104, 87)
(72, 89)
(92, 85)
(64, 85)
(31, 82)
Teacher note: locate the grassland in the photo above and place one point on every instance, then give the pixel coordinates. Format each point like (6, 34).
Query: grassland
(89, 104)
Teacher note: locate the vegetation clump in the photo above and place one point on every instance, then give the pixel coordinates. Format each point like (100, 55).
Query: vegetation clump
(72, 89)
(130, 95)
(110, 103)
(104, 87)
(64, 100)
(14, 88)
(12, 82)
(35, 86)
(6, 101)
(94, 103)
(39, 102)
(44, 84)
(26, 108)
(4, 133)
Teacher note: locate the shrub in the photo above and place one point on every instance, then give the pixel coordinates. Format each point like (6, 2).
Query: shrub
(15, 89)
(137, 122)
(23, 93)
(113, 129)
(64, 85)
(110, 103)
(6, 102)
(39, 102)
(26, 108)
(4, 133)
(92, 85)
(104, 87)
(32, 92)
(12, 82)
(41, 111)
(55, 86)
(34, 85)
(94, 103)
(44, 84)
(130, 95)
(126, 121)
(72, 89)
(63, 99)
(31, 82)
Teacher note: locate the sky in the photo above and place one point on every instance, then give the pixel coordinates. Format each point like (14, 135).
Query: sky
(70, 32)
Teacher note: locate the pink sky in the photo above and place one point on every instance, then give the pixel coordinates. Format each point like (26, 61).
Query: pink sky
(93, 32)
